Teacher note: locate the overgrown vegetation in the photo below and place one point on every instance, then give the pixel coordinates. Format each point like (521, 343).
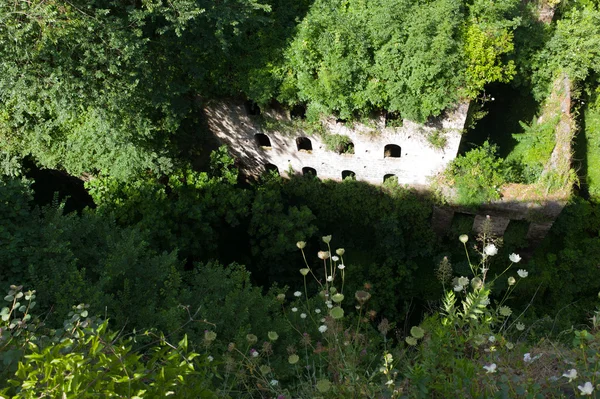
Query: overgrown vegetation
(478, 176)
(193, 277)
(338, 143)
(327, 344)
(533, 149)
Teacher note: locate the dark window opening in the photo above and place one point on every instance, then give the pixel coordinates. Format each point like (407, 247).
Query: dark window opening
(298, 112)
(348, 174)
(392, 151)
(269, 167)
(304, 144)
(391, 178)
(252, 108)
(393, 119)
(308, 171)
(346, 148)
(262, 140)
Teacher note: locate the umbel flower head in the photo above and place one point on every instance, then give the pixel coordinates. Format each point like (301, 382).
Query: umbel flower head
(463, 238)
(511, 280)
(323, 255)
(490, 250)
(340, 251)
(326, 239)
(491, 368)
(301, 244)
(514, 258)
(522, 273)
(571, 374)
(477, 283)
(586, 389)
(463, 281)
(362, 296)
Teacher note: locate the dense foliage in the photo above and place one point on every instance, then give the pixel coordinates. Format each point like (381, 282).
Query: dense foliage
(192, 276)
(352, 57)
(478, 176)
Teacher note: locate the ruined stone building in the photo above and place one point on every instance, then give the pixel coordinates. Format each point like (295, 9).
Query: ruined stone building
(372, 153)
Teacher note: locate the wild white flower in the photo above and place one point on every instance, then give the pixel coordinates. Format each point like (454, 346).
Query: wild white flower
(297, 294)
(210, 358)
(322, 320)
(389, 382)
(509, 345)
(522, 273)
(463, 238)
(490, 250)
(341, 267)
(294, 309)
(274, 382)
(317, 310)
(491, 368)
(492, 338)
(463, 281)
(335, 258)
(329, 306)
(330, 278)
(254, 353)
(322, 328)
(586, 389)
(571, 374)
(458, 288)
(520, 326)
(527, 358)
(511, 280)
(514, 258)
(505, 311)
(303, 315)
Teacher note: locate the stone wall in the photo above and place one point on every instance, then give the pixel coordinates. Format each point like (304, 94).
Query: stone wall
(418, 159)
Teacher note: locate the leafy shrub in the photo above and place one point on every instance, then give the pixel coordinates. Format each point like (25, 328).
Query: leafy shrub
(338, 143)
(477, 176)
(85, 358)
(533, 149)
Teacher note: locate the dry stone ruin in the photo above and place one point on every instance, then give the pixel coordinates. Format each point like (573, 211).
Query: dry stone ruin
(375, 152)
(272, 140)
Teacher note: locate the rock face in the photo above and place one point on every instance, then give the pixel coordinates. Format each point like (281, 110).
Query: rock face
(379, 152)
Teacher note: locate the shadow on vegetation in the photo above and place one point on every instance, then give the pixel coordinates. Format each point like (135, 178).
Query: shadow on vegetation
(506, 106)
(52, 185)
(386, 231)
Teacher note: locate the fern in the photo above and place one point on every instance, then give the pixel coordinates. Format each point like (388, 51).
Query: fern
(474, 304)
(449, 307)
